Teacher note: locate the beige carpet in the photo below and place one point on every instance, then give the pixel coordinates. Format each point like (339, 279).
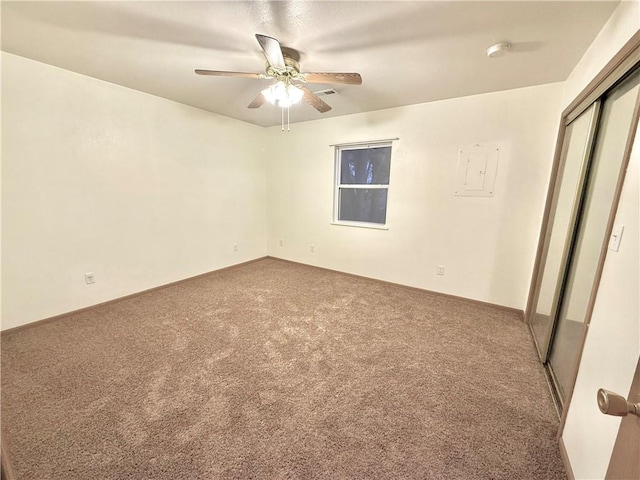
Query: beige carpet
(276, 370)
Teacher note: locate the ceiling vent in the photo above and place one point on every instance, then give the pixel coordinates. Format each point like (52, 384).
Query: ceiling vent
(328, 91)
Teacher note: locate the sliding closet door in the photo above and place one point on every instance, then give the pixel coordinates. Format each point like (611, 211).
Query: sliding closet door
(569, 186)
(604, 173)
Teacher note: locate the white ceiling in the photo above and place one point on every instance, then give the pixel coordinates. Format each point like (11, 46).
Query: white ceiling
(407, 52)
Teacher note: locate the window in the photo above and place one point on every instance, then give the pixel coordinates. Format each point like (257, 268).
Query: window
(362, 184)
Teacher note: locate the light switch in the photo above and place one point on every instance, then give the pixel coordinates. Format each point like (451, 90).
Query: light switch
(616, 237)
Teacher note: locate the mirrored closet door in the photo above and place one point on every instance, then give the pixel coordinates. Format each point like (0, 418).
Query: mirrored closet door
(569, 186)
(590, 172)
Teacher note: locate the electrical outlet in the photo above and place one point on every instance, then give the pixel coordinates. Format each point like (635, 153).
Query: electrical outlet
(235, 247)
(440, 270)
(89, 277)
(282, 243)
(312, 248)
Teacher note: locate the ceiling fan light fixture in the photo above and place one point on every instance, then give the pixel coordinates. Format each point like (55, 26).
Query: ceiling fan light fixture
(270, 93)
(295, 94)
(283, 95)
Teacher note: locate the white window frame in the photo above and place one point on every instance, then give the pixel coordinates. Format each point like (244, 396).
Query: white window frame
(337, 185)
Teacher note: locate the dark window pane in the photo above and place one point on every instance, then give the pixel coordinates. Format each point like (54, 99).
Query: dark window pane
(363, 205)
(365, 166)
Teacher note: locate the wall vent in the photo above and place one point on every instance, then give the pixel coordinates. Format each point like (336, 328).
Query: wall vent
(328, 91)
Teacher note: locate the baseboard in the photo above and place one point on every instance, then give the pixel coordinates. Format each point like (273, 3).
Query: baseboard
(54, 318)
(36, 323)
(517, 311)
(565, 459)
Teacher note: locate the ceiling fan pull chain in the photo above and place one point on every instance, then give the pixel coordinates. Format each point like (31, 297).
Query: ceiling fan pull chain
(282, 118)
(288, 125)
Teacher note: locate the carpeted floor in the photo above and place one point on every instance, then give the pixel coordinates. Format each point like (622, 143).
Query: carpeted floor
(277, 370)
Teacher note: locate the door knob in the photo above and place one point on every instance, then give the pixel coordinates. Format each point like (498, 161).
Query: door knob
(611, 403)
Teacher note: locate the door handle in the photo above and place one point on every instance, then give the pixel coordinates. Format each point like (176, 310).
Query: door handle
(611, 403)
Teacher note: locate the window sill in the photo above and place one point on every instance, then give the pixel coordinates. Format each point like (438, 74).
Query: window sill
(373, 226)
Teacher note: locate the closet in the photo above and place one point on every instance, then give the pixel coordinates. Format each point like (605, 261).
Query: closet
(596, 135)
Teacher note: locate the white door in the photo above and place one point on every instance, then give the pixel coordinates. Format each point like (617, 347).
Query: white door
(625, 460)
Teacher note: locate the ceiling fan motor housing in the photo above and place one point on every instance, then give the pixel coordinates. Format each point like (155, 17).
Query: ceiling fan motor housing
(291, 71)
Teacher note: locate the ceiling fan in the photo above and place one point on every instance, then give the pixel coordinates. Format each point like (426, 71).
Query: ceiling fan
(290, 82)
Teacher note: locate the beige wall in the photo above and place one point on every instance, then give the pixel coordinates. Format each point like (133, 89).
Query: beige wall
(137, 189)
(487, 245)
(143, 191)
(621, 26)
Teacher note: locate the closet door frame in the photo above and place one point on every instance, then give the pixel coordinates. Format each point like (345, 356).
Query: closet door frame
(618, 67)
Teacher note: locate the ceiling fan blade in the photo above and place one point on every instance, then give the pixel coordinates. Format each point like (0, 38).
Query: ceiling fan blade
(346, 78)
(272, 50)
(221, 73)
(313, 100)
(257, 102)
